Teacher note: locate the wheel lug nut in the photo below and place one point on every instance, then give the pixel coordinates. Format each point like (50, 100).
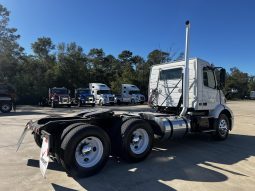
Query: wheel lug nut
(94, 149)
(86, 159)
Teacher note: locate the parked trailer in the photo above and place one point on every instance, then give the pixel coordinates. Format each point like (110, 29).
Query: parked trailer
(130, 94)
(188, 100)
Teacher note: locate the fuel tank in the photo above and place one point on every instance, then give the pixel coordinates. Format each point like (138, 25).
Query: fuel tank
(167, 126)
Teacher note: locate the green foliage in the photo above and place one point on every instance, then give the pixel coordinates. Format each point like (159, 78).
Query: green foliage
(42, 47)
(10, 51)
(238, 80)
(67, 65)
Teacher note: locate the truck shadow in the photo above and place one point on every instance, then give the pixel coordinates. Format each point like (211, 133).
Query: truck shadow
(196, 158)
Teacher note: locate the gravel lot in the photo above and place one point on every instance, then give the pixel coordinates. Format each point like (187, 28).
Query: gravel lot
(194, 163)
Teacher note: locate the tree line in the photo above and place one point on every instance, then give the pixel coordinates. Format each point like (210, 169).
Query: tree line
(67, 65)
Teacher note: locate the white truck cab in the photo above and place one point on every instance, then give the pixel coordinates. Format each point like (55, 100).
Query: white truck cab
(102, 94)
(131, 94)
(165, 85)
(205, 97)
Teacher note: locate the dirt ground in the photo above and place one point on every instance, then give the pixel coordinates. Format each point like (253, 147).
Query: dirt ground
(196, 162)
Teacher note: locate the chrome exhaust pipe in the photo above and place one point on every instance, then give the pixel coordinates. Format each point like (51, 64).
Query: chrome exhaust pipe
(186, 73)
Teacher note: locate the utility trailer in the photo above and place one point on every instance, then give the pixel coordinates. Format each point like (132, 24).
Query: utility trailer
(188, 98)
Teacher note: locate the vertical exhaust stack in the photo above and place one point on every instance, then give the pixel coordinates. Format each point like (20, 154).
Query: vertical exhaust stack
(186, 74)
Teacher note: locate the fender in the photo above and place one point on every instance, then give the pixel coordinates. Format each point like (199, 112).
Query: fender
(223, 109)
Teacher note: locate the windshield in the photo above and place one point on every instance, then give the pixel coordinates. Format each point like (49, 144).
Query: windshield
(59, 91)
(84, 91)
(103, 92)
(134, 92)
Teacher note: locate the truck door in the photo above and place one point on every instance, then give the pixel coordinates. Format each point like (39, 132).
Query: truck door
(210, 92)
(169, 86)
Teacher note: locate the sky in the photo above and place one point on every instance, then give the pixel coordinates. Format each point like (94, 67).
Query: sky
(222, 31)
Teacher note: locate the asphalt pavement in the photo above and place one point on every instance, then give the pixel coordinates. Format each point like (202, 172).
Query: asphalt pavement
(196, 162)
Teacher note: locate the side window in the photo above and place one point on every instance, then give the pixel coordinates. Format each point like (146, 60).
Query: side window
(170, 74)
(208, 78)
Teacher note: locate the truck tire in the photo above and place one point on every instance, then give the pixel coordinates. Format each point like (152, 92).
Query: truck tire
(86, 150)
(58, 152)
(6, 107)
(38, 140)
(222, 127)
(137, 140)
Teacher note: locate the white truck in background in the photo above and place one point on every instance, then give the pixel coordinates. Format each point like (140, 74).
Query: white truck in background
(102, 94)
(252, 95)
(187, 95)
(130, 94)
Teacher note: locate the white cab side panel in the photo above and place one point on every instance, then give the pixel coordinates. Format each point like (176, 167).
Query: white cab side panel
(164, 88)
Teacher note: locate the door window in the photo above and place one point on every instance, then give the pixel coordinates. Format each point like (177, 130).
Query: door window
(208, 77)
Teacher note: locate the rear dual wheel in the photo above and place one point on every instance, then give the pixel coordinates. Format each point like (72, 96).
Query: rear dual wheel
(85, 150)
(136, 140)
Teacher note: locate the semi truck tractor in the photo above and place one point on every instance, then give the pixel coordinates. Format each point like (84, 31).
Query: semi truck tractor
(83, 96)
(59, 96)
(102, 94)
(187, 97)
(130, 94)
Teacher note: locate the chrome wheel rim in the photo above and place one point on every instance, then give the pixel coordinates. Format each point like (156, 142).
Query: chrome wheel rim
(89, 152)
(139, 141)
(223, 127)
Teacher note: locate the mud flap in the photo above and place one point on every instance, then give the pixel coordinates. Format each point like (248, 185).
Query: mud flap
(44, 153)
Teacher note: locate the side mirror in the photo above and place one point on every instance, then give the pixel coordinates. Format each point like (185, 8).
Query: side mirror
(222, 78)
